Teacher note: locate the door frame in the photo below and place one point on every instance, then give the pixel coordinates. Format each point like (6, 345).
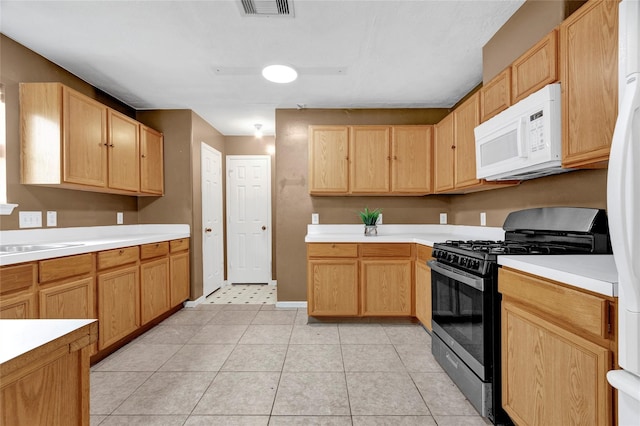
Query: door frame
(269, 230)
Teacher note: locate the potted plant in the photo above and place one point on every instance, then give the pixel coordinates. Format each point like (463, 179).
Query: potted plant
(370, 218)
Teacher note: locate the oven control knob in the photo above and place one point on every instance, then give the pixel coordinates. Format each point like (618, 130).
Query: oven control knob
(463, 261)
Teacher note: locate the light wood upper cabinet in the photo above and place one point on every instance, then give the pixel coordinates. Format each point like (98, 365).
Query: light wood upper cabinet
(589, 76)
(69, 140)
(536, 68)
(411, 159)
(495, 96)
(369, 159)
(562, 358)
(466, 118)
(124, 152)
(444, 154)
(151, 161)
(328, 159)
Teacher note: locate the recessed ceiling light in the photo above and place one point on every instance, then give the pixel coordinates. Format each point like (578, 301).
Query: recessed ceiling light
(279, 73)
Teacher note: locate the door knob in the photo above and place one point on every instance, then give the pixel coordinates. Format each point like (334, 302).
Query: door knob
(264, 227)
(207, 229)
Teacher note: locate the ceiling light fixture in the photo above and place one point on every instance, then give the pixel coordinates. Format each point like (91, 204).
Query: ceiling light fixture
(279, 73)
(258, 132)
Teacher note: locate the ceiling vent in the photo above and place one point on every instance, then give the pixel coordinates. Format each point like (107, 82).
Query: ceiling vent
(267, 8)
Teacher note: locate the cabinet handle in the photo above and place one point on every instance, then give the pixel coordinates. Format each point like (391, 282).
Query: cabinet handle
(453, 147)
(144, 156)
(395, 157)
(121, 252)
(111, 145)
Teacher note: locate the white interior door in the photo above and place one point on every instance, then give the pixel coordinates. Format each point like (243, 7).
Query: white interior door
(249, 218)
(212, 228)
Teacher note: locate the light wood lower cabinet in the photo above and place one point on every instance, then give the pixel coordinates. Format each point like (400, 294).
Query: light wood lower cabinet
(347, 279)
(554, 366)
(180, 283)
(68, 300)
(154, 289)
(18, 291)
(118, 304)
(423, 286)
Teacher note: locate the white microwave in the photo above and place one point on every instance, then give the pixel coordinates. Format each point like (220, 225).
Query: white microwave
(524, 141)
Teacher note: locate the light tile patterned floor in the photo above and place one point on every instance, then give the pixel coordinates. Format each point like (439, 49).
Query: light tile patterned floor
(249, 364)
(244, 294)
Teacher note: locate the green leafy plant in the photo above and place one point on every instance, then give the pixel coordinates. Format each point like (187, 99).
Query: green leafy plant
(369, 217)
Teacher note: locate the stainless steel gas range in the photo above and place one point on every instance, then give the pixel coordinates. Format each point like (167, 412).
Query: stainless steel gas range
(466, 302)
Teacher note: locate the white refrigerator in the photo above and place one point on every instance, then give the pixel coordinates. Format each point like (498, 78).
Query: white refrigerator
(623, 210)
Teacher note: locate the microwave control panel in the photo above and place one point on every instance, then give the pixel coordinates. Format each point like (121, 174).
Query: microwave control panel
(536, 131)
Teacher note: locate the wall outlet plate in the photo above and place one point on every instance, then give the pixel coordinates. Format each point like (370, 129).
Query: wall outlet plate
(379, 221)
(119, 218)
(52, 218)
(483, 219)
(315, 218)
(443, 218)
(30, 219)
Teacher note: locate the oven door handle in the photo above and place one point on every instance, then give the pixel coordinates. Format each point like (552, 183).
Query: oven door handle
(477, 283)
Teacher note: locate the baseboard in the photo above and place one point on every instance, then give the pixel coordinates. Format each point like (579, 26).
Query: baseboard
(291, 305)
(273, 282)
(194, 303)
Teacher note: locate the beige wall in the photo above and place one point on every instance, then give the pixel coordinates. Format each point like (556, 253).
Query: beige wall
(532, 21)
(75, 208)
(295, 205)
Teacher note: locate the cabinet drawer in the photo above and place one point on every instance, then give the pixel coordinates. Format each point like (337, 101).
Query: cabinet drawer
(385, 250)
(55, 269)
(332, 250)
(424, 253)
(148, 251)
(117, 257)
(179, 245)
(577, 309)
(18, 277)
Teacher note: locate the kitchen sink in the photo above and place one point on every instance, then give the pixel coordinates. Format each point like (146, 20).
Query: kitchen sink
(21, 248)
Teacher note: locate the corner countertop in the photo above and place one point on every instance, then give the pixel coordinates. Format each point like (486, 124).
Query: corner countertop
(86, 239)
(592, 272)
(17, 337)
(596, 273)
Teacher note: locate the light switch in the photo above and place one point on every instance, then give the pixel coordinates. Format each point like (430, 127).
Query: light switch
(379, 221)
(443, 218)
(119, 218)
(52, 218)
(483, 219)
(30, 219)
(315, 218)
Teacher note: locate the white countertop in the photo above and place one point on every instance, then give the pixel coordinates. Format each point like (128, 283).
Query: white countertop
(18, 337)
(593, 272)
(421, 234)
(88, 239)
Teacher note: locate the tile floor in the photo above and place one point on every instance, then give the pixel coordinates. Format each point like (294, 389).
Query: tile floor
(250, 364)
(244, 294)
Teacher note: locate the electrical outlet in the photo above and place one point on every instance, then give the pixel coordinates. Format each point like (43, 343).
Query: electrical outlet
(52, 218)
(483, 219)
(119, 218)
(30, 219)
(315, 218)
(379, 221)
(443, 218)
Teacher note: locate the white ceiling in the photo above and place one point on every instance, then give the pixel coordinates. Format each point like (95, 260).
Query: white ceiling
(207, 55)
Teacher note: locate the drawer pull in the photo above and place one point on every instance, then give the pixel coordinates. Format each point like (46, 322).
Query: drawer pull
(121, 252)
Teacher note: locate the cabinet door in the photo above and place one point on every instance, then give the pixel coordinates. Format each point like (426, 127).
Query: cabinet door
(84, 140)
(589, 75)
(118, 305)
(444, 150)
(496, 95)
(551, 376)
(467, 117)
(70, 300)
(154, 289)
(151, 161)
(328, 159)
(423, 294)
(411, 159)
(123, 151)
(21, 306)
(536, 68)
(386, 287)
(332, 287)
(369, 157)
(180, 283)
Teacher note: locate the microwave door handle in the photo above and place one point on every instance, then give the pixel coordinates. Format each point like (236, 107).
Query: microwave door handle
(522, 138)
(476, 283)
